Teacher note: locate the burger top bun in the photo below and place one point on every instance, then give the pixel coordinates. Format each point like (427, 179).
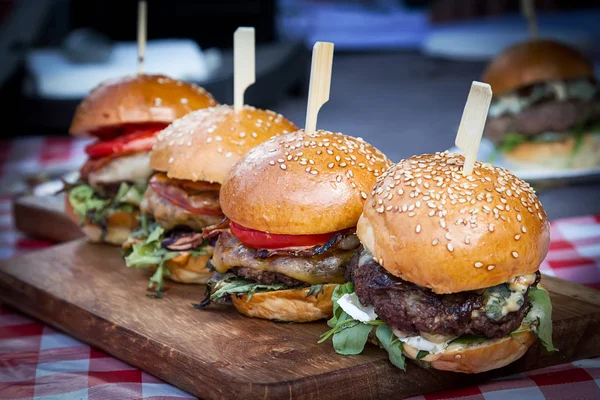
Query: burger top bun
(137, 99)
(302, 183)
(428, 224)
(535, 61)
(204, 144)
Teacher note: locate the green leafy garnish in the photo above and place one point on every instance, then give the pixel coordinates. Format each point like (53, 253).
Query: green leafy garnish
(468, 339)
(87, 202)
(150, 253)
(230, 284)
(422, 354)
(511, 141)
(392, 345)
(539, 317)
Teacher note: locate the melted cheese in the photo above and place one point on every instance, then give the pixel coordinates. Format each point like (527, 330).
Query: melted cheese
(513, 303)
(421, 343)
(134, 168)
(521, 283)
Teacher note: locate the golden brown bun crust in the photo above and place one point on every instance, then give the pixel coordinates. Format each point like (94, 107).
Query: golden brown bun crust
(119, 226)
(557, 155)
(477, 231)
(295, 184)
(480, 357)
(291, 305)
(138, 99)
(188, 269)
(535, 61)
(204, 145)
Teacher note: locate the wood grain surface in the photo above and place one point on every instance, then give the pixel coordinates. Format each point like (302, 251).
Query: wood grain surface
(86, 291)
(44, 217)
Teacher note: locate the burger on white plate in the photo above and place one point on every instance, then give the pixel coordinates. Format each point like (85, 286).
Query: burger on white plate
(545, 113)
(292, 204)
(124, 115)
(448, 272)
(190, 160)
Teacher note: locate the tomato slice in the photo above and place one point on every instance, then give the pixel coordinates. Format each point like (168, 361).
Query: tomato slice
(177, 195)
(133, 139)
(263, 240)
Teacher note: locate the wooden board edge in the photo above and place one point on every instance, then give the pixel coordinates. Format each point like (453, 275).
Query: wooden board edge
(571, 289)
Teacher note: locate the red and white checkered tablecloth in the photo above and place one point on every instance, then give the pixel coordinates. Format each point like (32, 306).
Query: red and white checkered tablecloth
(38, 362)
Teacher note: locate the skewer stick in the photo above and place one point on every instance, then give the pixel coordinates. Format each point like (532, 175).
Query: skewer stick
(243, 64)
(528, 11)
(320, 83)
(472, 123)
(141, 34)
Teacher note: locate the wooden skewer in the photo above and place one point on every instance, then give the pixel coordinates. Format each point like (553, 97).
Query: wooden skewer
(320, 83)
(472, 123)
(528, 11)
(141, 34)
(244, 73)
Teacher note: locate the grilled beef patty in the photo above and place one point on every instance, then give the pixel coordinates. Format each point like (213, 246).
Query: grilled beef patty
(413, 309)
(266, 277)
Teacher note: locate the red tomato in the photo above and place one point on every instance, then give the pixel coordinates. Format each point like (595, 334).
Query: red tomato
(181, 198)
(264, 240)
(133, 139)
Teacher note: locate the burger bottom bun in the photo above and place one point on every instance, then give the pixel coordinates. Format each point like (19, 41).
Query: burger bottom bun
(479, 357)
(291, 305)
(119, 226)
(188, 269)
(556, 155)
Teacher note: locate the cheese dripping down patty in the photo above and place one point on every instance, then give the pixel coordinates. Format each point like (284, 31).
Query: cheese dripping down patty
(132, 168)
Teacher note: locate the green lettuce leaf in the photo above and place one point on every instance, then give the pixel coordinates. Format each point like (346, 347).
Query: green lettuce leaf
(150, 253)
(351, 338)
(539, 317)
(230, 284)
(392, 345)
(468, 339)
(510, 141)
(83, 199)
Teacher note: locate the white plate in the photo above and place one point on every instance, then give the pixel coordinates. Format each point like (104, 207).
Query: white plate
(486, 153)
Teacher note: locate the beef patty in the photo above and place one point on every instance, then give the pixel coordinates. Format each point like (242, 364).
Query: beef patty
(413, 309)
(552, 116)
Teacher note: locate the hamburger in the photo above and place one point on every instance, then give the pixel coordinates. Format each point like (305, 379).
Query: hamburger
(124, 116)
(448, 270)
(190, 160)
(546, 107)
(292, 204)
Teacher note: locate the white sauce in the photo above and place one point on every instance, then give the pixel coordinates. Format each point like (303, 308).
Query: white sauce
(132, 168)
(420, 343)
(351, 305)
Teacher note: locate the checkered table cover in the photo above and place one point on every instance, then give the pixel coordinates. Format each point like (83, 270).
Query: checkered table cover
(38, 362)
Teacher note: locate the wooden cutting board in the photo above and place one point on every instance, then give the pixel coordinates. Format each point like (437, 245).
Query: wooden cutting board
(44, 217)
(86, 291)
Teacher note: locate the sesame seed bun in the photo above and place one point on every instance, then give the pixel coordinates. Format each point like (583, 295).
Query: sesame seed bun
(302, 184)
(293, 305)
(479, 357)
(204, 145)
(428, 224)
(535, 61)
(556, 155)
(119, 226)
(137, 99)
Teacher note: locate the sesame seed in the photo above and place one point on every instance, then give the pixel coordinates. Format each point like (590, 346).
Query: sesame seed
(363, 195)
(442, 223)
(491, 227)
(282, 166)
(490, 267)
(515, 254)
(517, 237)
(519, 218)
(272, 162)
(418, 228)
(523, 229)
(478, 264)
(435, 242)
(450, 247)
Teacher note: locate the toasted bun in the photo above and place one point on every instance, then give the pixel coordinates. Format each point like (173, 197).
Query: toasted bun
(556, 155)
(478, 357)
(477, 231)
(188, 269)
(535, 61)
(137, 99)
(302, 184)
(204, 145)
(292, 305)
(119, 226)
